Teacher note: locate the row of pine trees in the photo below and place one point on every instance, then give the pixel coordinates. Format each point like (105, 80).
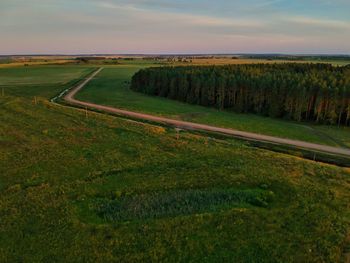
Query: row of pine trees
(301, 92)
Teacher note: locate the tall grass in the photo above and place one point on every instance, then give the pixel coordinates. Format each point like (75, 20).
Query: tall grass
(179, 202)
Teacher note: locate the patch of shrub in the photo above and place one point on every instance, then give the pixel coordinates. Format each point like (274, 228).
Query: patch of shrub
(179, 202)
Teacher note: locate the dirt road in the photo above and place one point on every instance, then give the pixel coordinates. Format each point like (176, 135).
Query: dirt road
(69, 97)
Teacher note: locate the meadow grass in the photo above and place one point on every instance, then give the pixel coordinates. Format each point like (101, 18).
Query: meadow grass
(56, 165)
(64, 176)
(41, 81)
(111, 87)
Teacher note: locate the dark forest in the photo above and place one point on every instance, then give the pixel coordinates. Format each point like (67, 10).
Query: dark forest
(301, 92)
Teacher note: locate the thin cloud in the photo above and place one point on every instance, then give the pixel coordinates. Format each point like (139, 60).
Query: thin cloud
(269, 3)
(327, 23)
(181, 18)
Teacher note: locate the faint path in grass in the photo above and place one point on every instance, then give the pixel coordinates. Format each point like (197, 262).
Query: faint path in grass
(69, 97)
(326, 136)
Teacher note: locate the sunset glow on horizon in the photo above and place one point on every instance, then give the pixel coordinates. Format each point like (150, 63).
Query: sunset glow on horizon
(158, 27)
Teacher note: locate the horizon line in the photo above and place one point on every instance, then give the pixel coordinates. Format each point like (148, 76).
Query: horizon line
(175, 54)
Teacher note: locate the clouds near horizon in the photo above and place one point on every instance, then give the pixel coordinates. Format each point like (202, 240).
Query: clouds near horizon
(193, 26)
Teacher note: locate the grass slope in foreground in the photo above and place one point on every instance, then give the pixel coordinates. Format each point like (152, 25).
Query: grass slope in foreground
(104, 189)
(111, 88)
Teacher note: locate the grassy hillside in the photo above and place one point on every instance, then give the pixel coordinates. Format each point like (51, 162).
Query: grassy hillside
(102, 189)
(111, 87)
(105, 189)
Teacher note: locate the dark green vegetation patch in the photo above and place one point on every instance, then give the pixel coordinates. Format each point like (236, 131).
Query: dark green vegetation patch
(180, 202)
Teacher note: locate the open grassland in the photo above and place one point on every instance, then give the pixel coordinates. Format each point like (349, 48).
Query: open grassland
(10, 64)
(103, 189)
(111, 87)
(41, 81)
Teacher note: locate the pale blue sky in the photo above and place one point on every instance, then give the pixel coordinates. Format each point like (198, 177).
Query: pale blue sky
(192, 26)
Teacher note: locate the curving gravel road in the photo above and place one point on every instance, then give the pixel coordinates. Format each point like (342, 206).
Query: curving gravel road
(69, 97)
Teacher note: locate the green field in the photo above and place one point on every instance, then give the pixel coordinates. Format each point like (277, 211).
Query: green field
(104, 189)
(111, 88)
(41, 81)
(64, 178)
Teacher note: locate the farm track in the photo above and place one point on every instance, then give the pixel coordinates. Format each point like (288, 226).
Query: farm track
(69, 97)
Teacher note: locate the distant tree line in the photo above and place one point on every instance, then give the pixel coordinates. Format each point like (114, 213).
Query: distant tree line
(300, 57)
(301, 92)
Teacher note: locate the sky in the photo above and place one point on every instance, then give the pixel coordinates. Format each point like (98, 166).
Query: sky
(174, 26)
